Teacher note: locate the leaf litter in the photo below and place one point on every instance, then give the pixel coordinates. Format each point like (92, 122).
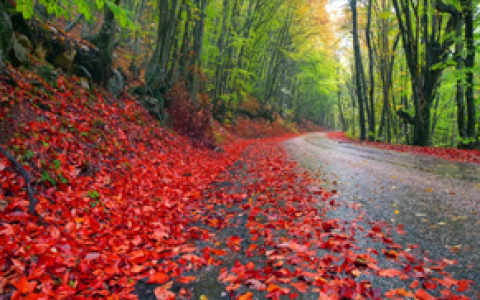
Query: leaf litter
(122, 199)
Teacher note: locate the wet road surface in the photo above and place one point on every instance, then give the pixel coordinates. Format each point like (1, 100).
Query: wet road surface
(438, 201)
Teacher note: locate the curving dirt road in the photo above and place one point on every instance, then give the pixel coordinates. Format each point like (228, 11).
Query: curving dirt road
(438, 201)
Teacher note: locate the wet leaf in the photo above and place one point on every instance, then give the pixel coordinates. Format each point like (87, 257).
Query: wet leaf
(159, 278)
(389, 273)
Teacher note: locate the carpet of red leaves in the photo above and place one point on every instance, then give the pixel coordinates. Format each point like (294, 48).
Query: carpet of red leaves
(469, 156)
(120, 199)
(262, 128)
(117, 190)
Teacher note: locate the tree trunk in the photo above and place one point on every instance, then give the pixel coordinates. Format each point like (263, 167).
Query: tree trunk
(469, 63)
(198, 49)
(221, 48)
(340, 110)
(358, 66)
(459, 96)
(424, 79)
(104, 41)
(138, 18)
(155, 74)
(185, 42)
(371, 119)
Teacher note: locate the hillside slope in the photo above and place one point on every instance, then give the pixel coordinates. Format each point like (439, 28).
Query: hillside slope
(114, 190)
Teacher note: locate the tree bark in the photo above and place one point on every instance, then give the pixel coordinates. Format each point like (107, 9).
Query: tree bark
(358, 66)
(459, 96)
(155, 74)
(424, 79)
(467, 6)
(371, 119)
(104, 41)
(199, 27)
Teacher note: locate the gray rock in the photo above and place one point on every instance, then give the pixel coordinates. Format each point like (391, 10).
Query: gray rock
(65, 59)
(6, 35)
(116, 83)
(19, 55)
(152, 105)
(25, 42)
(84, 84)
(155, 107)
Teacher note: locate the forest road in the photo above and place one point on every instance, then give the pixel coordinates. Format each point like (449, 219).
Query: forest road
(438, 201)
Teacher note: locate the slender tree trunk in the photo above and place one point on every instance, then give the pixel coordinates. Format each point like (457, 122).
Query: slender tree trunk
(185, 47)
(176, 54)
(469, 64)
(371, 119)
(459, 97)
(358, 67)
(156, 72)
(138, 18)
(435, 116)
(198, 50)
(340, 110)
(221, 49)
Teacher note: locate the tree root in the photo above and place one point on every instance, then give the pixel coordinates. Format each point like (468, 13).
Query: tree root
(24, 174)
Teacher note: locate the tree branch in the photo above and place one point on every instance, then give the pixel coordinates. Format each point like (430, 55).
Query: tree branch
(447, 8)
(74, 23)
(23, 172)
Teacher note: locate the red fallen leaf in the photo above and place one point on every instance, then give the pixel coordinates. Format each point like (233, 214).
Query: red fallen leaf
(159, 277)
(300, 286)
(293, 296)
(272, 287)
(35, 296)
(219, 252)
(463, 285)
(414, 284)
(234, 241)
(163, 293)
(389, 273)
(449, 282)
(256, 284)
(232, 287)
(250, 265)
(22, 285)
(186, 280)
(324, 296)
(293, 246)
(423, 295)
(54, 232)
(429, 285)
(247, 296)
(391, 293)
